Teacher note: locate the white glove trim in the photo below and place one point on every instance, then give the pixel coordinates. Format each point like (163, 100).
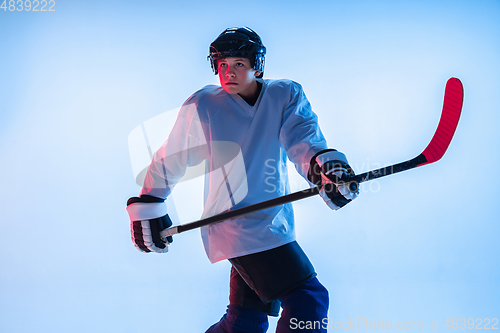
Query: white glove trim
(145, 211)
(330, 156)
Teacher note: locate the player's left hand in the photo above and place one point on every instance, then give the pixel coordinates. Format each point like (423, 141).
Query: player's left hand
(333, 167)
(148, 217)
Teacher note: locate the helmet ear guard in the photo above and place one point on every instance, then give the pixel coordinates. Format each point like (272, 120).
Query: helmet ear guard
(238, 42)
(259, 63)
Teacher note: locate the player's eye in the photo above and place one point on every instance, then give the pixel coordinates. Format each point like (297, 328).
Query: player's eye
(240, 64)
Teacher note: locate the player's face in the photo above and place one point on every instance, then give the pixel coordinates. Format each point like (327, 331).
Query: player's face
(237, 76)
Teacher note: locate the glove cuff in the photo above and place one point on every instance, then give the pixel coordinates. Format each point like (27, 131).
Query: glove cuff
(330, 156)
(139, 211)
(144, 198)
(314, 173)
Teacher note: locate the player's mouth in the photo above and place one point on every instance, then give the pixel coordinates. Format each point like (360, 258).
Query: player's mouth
(231, 83)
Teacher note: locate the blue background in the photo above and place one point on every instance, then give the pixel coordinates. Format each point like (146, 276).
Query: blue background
(418, 246)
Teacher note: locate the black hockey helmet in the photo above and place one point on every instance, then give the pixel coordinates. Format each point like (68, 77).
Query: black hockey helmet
(238, 42)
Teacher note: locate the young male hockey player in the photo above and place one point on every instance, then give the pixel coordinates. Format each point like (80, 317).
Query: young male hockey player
(269, 121)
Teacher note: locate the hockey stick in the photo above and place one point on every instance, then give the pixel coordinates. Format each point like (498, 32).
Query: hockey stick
(452, 108)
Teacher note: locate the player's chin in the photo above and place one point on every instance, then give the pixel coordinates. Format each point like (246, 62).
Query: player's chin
(231, 88)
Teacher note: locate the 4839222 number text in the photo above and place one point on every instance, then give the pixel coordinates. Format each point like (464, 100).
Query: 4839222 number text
(28, 6)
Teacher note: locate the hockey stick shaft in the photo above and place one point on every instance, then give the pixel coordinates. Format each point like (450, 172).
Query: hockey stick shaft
(242, 211)
(367, 176)
(450, 115)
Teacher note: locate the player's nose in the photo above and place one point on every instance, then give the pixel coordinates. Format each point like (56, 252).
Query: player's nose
(230, 71)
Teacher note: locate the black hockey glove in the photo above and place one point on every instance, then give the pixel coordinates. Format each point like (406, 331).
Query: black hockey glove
(148, 217)
(328, 167)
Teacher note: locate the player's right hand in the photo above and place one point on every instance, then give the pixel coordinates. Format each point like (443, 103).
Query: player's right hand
(148, 217)
(328, 168)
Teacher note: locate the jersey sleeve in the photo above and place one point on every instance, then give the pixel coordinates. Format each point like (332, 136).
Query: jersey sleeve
(186, 146)
(300, 133)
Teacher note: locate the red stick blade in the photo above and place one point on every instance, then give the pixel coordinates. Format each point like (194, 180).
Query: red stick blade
(452, 108)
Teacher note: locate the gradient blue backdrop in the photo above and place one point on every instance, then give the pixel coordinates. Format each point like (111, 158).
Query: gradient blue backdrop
(418, 246)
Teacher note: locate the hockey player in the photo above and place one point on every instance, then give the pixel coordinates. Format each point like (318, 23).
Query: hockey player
(269, 121)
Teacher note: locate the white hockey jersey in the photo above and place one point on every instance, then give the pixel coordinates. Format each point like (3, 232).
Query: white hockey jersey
(245, 149)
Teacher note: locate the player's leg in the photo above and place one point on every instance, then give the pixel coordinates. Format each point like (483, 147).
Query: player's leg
(285, 273)
(305, 309)
(241, 320)
(241, 295)
(246, 311)
(272, 274)
(276, 272)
